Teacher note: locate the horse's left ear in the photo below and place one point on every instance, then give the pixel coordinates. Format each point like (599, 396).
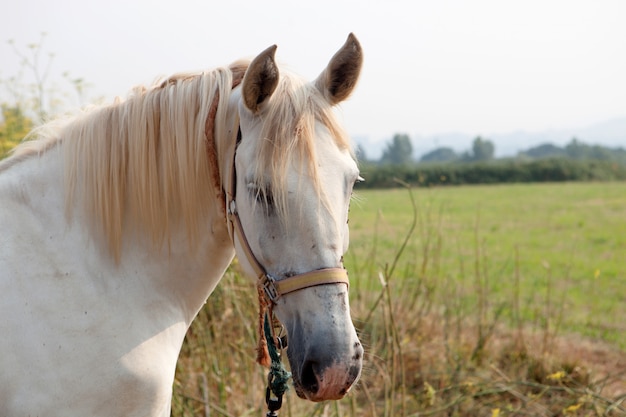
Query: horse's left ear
(260, 80)
(337, 81)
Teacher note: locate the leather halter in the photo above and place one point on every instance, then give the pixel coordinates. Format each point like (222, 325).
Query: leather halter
(272, 287)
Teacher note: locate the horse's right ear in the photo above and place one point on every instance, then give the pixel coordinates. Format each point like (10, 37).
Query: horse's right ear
(260, 80)
(339, 78)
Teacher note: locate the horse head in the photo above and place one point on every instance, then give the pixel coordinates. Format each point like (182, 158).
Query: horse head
(294, 177)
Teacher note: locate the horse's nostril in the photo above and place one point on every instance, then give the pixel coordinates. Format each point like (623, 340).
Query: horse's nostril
(308, 377)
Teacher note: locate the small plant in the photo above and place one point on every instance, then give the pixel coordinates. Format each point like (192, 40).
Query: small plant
(29, 97)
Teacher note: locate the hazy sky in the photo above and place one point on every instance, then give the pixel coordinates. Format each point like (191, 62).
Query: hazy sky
(477, 67)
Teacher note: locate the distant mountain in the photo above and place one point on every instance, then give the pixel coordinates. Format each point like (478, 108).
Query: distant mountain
(611, 133)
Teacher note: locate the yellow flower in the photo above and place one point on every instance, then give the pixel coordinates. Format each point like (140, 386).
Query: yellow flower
(596, 274)
(495, 412)
(430, 393)
(557, 376)
(572, 408)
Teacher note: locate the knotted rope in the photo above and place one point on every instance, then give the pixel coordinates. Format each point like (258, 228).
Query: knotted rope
(268, 354)
(278, 375)
(262, 352)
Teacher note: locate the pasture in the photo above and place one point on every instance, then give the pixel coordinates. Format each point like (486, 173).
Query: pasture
(502, 300)
(566, 243)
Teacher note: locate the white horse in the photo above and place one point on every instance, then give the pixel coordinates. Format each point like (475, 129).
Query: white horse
(116, 226)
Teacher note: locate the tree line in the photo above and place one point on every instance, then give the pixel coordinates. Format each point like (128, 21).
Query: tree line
(496, 172)
(576, 161)
(399, 151)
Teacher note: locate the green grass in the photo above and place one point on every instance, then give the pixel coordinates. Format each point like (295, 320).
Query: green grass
(570, 237)
(502, 300)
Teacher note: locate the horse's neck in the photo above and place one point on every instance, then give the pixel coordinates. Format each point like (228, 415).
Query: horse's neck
(184, 275)
(176, 273)
(191, 274)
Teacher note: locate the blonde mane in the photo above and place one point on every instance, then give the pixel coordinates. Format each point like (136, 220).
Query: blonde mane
(145, 161)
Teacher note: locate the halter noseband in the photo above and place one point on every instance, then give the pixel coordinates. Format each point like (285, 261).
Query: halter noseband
(270, 286)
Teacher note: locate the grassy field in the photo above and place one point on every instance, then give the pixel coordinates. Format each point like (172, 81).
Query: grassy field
(470, 301)
(568, 239)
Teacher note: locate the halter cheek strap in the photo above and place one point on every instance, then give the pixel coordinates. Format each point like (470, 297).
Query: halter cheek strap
(270, 286)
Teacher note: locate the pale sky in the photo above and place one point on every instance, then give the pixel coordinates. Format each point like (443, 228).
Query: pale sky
(476, 67)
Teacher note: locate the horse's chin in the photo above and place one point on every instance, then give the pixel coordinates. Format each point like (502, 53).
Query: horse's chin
(300, 393)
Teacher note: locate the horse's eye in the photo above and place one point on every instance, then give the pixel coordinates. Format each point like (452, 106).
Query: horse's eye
(262, 195)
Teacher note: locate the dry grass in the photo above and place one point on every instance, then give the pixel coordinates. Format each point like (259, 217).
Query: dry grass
(426, 365)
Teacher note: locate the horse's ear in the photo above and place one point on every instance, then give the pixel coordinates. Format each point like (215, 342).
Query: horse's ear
(260, 80)
(340, 76)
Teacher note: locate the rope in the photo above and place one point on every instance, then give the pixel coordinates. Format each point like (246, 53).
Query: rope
(262, 355)
(278, 376)
(268, 354)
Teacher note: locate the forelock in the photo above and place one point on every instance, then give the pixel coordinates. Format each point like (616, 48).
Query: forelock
(288, 137)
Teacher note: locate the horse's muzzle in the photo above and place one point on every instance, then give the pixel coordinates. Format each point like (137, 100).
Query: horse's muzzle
(318, 382)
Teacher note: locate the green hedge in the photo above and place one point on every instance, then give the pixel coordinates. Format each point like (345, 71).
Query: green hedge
(509, 171)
